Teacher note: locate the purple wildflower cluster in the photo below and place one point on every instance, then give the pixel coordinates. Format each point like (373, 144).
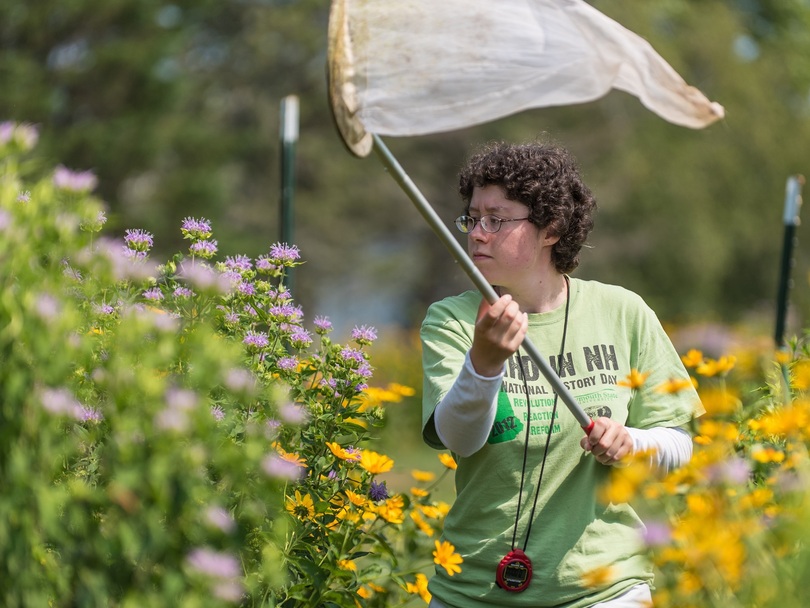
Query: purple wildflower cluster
(204, 249)
(256, 340)
(364, 334)
(174, 417)
(322, 325)
(238, 263)
(284, 254)
(61, 401)
(288, 363)
(153, 294)
(23, 135)
(275, 466)
(196, 228)
(139, 240)
(224, 570)
(182, 292)
(378, 491)
(74, 181)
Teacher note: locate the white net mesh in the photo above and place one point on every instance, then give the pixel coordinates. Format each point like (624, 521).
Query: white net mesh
(412, 67)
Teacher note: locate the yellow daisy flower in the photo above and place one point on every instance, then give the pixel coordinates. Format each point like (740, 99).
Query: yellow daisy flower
(634, 380)
(419, 587)
(448, 461)
(375, 463)
(342, 453)
(598, 577)
(300, 506)
(425, 476)
(445, 556)
(421, 523)
(713, 367)
(289, 456)
(347, 564)
(693, 358)
(358, 500)
(675, 385)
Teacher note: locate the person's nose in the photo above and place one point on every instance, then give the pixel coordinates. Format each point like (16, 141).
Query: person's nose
(478, 233)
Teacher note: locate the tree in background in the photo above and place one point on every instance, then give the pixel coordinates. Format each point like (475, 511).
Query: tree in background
(175, 106)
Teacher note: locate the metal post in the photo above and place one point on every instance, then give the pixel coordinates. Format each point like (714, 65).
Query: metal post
(444, 234)
(289, 138)
(793, 201)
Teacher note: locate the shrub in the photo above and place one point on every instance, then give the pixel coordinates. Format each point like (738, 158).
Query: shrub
(173, 434)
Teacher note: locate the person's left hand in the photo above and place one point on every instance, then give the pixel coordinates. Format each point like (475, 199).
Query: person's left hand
(608, 441)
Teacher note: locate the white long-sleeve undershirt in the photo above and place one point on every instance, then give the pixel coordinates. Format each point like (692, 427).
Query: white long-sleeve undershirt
(464, 418)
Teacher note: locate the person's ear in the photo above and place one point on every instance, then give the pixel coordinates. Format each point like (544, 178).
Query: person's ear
(550, 238)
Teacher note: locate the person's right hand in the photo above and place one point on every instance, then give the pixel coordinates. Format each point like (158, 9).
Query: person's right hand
(499, 330)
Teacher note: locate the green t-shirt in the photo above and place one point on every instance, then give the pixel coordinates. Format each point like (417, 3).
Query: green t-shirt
(610, 332)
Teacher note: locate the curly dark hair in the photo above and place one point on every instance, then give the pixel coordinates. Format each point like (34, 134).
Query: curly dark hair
(545, 178)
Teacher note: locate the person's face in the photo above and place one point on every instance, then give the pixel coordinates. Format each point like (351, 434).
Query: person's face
(515, 255)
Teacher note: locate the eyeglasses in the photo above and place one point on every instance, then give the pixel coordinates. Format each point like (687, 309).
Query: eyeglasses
(489, 223)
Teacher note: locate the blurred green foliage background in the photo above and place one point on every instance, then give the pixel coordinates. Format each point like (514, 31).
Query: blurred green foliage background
(175, 105)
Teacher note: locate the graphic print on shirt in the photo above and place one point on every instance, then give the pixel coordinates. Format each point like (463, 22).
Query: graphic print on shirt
(506, 425)
(590, 374)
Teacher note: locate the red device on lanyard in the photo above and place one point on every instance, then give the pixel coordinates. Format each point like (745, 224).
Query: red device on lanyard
(514, 572)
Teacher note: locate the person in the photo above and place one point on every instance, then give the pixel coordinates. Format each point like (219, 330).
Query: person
(527, 520)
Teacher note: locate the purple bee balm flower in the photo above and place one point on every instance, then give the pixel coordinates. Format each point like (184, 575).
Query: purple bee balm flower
(138, 240)
(181, 398)
(263, 264)
(656, 534)
(182, 292)
(239, 263)
(204, 249)
(283, 253)
(378, 491)
(131, 254)
(250, 310)
(350, 355)
(214, 563)
(275, 466)
(246, 288)
(364, 334)
(25, 135)
(6, 131)
(73, 181)
(24, 197)
(154, 294)
(292, 413)
(61, 401)
(240, 380)
(196, 228)
(218, 413)
(300, 337)
(288, 363)
(228, 591)
(256, 339)
(104, 309)
(220, 518)
(734, 471)
(364, 370)
(322, 325)
(47, 307)
(88, 414)
(282, 311)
